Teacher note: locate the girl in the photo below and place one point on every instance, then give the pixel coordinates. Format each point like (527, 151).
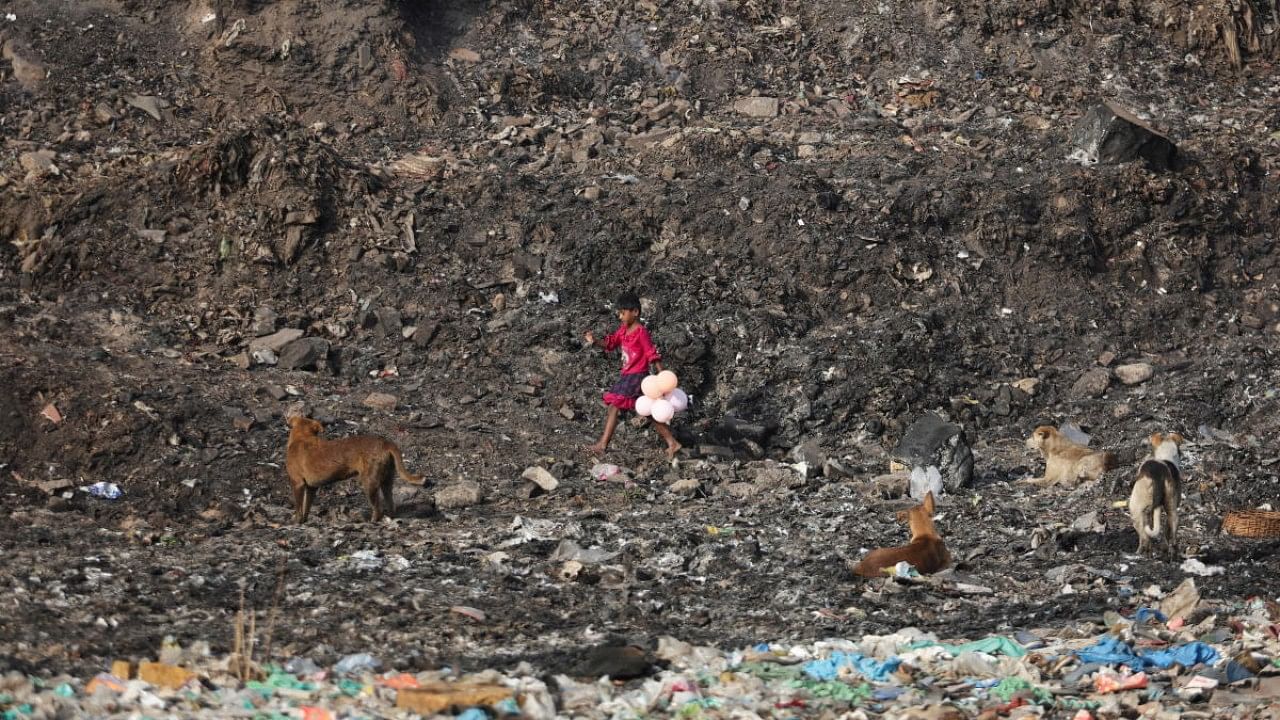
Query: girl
(638, 353)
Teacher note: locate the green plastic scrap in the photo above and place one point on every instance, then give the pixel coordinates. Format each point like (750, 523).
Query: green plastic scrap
(15, 713)
(1011, 686)
(835, 690)
(350, 687)
(64, 690)
(5, 698)
(1075, 703)
(994, 645)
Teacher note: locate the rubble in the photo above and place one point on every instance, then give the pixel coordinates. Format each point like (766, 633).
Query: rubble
(1110, 134)
(931, 442)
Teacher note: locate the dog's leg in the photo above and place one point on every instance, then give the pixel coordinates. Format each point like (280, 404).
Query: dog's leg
(1140, 530)
(1171, 537)
(388, 485)
(299, 490)
(308, 494)
(371, 481)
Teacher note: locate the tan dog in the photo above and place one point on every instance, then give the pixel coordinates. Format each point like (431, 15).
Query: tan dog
(926, 551)
(1066, 461)
(1153, 504)
(313, 462)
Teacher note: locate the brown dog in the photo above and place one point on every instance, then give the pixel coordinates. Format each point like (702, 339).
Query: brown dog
(313, 462)
(1066, 461)
(1153, 504)
(926, 551)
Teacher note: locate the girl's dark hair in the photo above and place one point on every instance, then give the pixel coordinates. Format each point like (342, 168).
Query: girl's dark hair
(628, 301)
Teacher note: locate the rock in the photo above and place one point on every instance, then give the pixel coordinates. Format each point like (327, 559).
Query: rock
(758, 107)
(26, 70)
(809, 452)
(591, 192)
(891, 486)
(463, 493)
(149, 104)
(435, 698)
(1027, 385)
(423, 335)
(934, 442)
(38, 163)
(1091, 384)
(381, 401)
(264, 323)
(744, 490)
(540, 477)
(304, 354)
(625, 662)
(1134, 373)
(464, 54)
(686, 486)
(1110, 134)
(163, 675)
(275, 342)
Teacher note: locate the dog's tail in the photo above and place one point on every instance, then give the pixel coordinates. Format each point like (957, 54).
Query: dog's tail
(403, 472)
(1157, 523)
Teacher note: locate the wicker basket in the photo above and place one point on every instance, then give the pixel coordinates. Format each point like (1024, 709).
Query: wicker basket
(1252, 523)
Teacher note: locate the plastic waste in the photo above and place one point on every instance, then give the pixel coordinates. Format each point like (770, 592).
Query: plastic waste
(105, 490)
(924, 481)
(1113, 651)
(359, 662)
(605, 471)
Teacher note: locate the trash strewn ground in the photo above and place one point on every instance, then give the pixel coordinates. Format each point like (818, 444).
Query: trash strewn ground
(846, 220)
(1209, 660)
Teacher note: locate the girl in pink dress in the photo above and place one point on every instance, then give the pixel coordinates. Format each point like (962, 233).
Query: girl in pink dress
(638, 354)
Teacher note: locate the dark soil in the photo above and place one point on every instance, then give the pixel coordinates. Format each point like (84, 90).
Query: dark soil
(449, 194)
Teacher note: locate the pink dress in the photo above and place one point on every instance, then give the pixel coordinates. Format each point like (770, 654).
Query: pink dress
(638, 352)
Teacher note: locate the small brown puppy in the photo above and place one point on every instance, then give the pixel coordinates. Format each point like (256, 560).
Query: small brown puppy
(1066, 461)
(1153, 504)
(926, 551)
(313, 462)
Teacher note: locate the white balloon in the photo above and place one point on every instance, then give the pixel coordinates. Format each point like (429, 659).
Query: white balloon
(644, 405)
(662, 411)
(678, 399)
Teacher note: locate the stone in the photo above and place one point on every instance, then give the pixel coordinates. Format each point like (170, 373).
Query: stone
(276, 341)
(687, 486)
(617, 662)
(1110, 134)
(464, 55)
(439, 697)
(304, 354)
(758, 107)
(149, 104)
(1027, 385)
(264, 323)
(744, 490)
(540, 477)
(1091, 384)
(934, 442)
(26, 70)
(423, 335)
(463, 493)
(892, 485)
(163, 675)
(381, 401)
(38, 163)
(1134, 373)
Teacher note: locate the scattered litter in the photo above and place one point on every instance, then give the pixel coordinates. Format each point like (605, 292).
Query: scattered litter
(1195, 567)
(105, 490)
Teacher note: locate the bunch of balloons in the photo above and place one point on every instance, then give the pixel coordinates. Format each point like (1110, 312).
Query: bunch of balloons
(662, 399)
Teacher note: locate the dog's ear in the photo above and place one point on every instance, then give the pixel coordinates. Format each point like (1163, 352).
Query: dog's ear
(928, 502)
(1156, 439)
(1175, 438)
(292, 420)
(1044, 432)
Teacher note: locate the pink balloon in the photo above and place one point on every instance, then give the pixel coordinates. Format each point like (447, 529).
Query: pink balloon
(652, 387)
(644, 405)
(662, 411)
(678, 399)
(667, 381)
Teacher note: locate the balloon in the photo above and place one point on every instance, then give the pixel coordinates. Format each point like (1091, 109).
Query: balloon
(644, 405)
(668, 381)
(678, 399)
(662, 411)
(652, 387)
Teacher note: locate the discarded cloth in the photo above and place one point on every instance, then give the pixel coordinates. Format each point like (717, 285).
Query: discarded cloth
(993, 645)
(1143, 614)
(869, 668)
(1111, 651)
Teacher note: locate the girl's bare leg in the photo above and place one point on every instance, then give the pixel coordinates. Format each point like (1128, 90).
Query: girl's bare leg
(673, 445)
(610, 424)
